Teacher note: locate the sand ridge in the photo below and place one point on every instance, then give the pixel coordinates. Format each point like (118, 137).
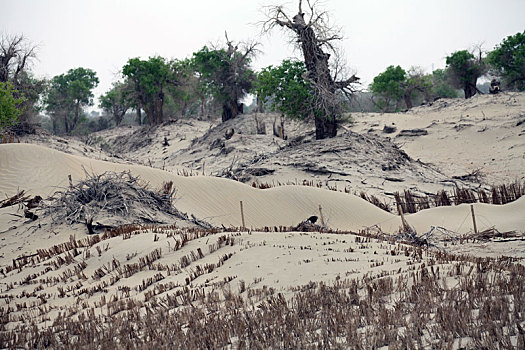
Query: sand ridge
(217, 200)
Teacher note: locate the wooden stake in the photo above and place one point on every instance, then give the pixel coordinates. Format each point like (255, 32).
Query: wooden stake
(70, 181)
(403, 221)
(321, 215)
(203, 164)
(473, 219)
(242, 217)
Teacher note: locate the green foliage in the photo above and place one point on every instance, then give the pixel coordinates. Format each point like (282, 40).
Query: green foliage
(509, 61)
(389, 83)
(225, 74)
(186, 96)
(440, 85)
(463, 70)
(285, 89)
(149, 78)
(461, 63)
(388, 86)
(117, 101)
(212, 66)
(395, 84)
(10, 105)
(68, 94)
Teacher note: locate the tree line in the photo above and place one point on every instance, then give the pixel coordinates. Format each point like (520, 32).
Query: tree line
(396, 87)
(214, 80)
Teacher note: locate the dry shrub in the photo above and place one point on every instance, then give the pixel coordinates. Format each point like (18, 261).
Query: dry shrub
(478, 301)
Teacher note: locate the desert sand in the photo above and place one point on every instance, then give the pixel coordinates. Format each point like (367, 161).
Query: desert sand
(56, 276)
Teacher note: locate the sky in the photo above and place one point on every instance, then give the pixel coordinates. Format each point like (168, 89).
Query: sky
(103, 34)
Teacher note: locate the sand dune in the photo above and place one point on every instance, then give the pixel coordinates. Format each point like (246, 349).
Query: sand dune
(42, 171)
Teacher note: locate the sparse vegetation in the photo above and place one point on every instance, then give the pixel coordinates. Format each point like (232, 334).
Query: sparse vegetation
(434, 299)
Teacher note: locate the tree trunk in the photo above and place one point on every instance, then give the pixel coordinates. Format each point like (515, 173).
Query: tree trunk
(231, 109)
(470, 89)
(318, 71)
(139, 116)
(66, 123)
(325, 127)
(408, 100)
(160, 108)
(151, 113)
(75, 118)
(204, 110)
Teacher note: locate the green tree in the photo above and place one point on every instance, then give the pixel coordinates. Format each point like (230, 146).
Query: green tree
(285, 90)
(150, 78)
(16, 54)
(117, 101)
(226, 74)
(388, 87)
(508, 59)
(185, 97)
(441, 87)
(464, 69)
(417, 87)
(395, 85)
(10, 105)
(68, 94)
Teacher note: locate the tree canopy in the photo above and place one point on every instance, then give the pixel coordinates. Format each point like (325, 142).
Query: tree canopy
(10, 105)
(285, 90)
(395, 84)
(16, 56)
(388, 86)
(226, 74)
(441, 87)
(68, 94)
(150, 78)
(464, 69)
(508, 59)
(117, 101)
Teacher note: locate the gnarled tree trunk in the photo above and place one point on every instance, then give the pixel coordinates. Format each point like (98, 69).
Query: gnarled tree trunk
(312, 37)
(470, 89)
(325, 127)
(231, 109)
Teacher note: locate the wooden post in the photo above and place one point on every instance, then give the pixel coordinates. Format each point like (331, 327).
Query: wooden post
(242, 217)
(403, 221)
(473, 219)
(203, 164)
(321, 215)
(70, 181)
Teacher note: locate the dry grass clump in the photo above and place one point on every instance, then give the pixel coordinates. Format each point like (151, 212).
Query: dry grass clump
(376, 201)
(439, 299)
(498, 194)
(114, 195)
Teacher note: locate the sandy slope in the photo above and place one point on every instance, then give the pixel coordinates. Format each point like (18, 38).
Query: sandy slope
(41, 171)
(485, 133)
(150, 266)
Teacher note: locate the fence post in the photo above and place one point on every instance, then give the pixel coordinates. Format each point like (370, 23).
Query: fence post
(321, 215)
(473, 219)
(242, 217)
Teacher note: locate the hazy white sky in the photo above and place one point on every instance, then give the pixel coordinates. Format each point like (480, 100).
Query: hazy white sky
(104, 34)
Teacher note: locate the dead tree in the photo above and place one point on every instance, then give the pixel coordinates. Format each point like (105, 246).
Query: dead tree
(15, 54)
(315, 36)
